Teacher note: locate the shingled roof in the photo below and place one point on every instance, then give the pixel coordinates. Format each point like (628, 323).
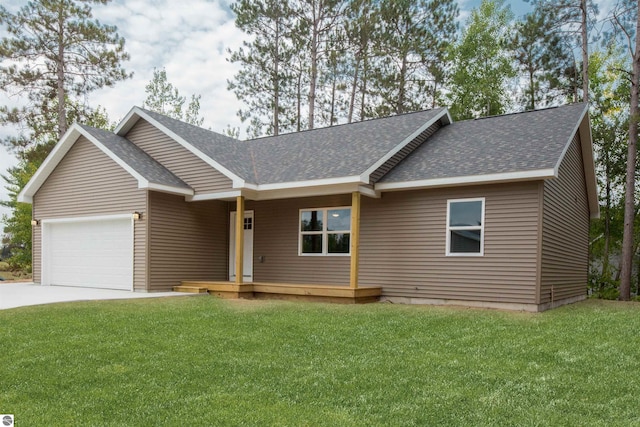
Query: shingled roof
(533, 140)
(527, 145)
(137, 159)
(325, 153)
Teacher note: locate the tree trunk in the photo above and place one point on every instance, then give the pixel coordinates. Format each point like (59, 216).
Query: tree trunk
(629, 203)
(276, 81)
(313, 78)
(354, 86)
(60, 91)
(332, 115)
(532, 89)
(299, 101)
(585, 53)
(607, 219)
(363, 98)
(401, 86)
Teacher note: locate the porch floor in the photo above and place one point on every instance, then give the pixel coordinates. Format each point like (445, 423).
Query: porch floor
(305, 292)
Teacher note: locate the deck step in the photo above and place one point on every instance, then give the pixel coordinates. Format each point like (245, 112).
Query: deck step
(190, 289)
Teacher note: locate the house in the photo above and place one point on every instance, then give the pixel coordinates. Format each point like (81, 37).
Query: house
(413, 208)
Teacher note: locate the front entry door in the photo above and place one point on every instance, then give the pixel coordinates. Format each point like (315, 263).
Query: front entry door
(248, 247)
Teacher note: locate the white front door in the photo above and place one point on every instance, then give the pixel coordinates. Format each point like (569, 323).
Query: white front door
(248, 247)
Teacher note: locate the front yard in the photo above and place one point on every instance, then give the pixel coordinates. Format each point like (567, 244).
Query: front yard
(204, 361)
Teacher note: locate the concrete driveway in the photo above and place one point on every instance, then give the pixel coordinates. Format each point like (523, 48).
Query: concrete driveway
(22, 294)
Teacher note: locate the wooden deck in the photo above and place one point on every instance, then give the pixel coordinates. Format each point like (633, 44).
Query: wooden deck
(304, 292)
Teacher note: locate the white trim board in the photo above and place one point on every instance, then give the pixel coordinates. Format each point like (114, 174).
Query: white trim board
(469, 180)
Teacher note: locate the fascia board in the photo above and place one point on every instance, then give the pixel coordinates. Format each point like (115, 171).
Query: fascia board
(170, 189)
(467, 180)
(305, 184)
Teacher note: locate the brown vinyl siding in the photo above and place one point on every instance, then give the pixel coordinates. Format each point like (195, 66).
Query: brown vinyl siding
(188, 240)
(185, 165)
(276, 225)
(403, 245)
(565, 231)
(404, 152)
(88, 183)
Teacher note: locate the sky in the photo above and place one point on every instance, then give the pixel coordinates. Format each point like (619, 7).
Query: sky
(190, 39)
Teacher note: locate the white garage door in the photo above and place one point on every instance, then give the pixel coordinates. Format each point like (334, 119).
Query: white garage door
(89, 253)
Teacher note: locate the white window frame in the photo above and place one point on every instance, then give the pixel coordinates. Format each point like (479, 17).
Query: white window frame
(324, 233)
(474, 227)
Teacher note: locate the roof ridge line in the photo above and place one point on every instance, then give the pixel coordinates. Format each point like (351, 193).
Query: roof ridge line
(341, 124)
(525, 111)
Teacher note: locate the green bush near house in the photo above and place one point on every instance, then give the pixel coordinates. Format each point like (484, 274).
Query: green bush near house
(203, 361)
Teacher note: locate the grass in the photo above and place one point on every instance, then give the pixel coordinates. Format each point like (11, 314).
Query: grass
(203, 361)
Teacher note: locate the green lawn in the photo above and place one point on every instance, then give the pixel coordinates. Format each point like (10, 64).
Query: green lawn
(203, 361)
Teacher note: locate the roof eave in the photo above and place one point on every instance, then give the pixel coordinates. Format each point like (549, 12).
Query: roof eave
(532, 175)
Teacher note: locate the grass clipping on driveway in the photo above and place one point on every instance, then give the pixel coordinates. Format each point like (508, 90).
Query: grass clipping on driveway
(204, 361)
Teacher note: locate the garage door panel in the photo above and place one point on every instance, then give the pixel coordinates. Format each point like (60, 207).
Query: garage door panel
(91, 253)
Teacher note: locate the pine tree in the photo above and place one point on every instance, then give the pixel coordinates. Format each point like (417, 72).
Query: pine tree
(316, 23)
(265, 78)
(55, 50)
(572, 18)
(542, 57)
(52, 54)
(413, 38)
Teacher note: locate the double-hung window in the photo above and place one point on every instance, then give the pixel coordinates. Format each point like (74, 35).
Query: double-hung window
(325, 231)
(465, 227)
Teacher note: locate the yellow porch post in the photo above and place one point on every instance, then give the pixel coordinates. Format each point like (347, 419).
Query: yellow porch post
(355, 239)
(239, 239)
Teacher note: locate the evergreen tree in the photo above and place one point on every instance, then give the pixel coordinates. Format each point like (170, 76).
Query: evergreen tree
(481, 63)
(573, 18)
(361, 20)
(52, 53)
(55, 50)
(164, 98)
(542, 58)
(265, 78)
(316, 23)
(411, 42)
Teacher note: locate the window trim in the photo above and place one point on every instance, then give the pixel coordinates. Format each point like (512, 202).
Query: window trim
(324, 232)
(474, 227)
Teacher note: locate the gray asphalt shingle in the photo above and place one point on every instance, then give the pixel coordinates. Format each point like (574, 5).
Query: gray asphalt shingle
(510, 143)
(333, 152)
(137, 159)
(224, 150)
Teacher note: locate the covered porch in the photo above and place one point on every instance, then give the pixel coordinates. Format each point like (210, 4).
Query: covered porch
(240, 287)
